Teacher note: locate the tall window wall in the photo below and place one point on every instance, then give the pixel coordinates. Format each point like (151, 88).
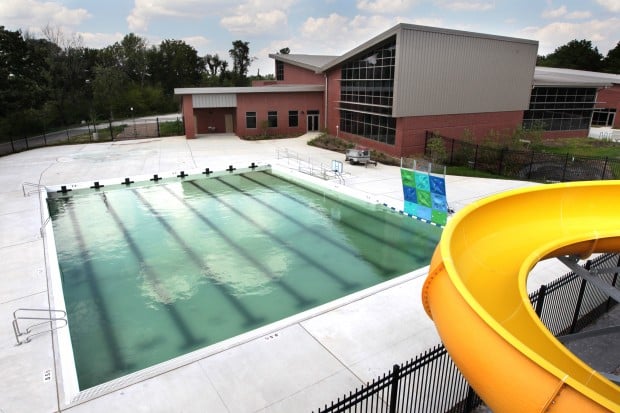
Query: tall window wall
(560, 108)
(366, 94)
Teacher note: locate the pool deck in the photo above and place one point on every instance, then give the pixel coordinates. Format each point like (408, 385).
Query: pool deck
(297, 364)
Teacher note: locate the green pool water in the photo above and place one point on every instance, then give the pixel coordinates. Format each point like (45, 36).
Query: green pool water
(153, 272)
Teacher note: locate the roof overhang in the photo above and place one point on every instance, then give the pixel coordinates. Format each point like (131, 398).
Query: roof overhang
(249, 89)
(558, 77)
(309, 62)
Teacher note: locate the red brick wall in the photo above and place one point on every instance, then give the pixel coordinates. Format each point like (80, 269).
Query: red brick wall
(333, 96)
(410, 131)
(261, 103)
(295, 75)
(188, 117)
(610, 98)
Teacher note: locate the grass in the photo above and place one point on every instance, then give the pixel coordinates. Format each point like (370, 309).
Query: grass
(173, 128)
(581, 147)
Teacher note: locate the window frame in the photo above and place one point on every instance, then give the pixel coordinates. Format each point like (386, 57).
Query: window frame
(248, 117)
(272, 119)
(293, 118)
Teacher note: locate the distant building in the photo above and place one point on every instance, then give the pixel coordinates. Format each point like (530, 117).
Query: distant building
(387, 92)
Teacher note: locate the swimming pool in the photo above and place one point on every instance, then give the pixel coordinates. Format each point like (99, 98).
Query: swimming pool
(151, 272)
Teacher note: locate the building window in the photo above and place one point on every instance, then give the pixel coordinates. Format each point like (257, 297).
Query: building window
(293, 119)
(250, 120)
(279, 70)
(367, 92)
(272, 119)
(560, 108)
(603, 117)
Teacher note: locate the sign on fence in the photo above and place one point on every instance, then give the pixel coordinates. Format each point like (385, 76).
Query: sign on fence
(425, 194)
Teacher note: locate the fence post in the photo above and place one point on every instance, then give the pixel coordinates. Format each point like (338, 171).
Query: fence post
(610, 300)
(604, 168)
(476, 157)
(158, 133)
(111, 130)
(582, 291)
(501, 161)
(394, 388)
(470, 404)
(540, 300)
(12, 145)
(565, 166)
(529, 172)
(452, 151)
(26, 140)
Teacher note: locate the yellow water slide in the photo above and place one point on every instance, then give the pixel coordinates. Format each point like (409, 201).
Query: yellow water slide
(476, 294)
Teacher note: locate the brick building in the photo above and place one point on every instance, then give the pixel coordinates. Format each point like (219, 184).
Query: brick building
(387, 92)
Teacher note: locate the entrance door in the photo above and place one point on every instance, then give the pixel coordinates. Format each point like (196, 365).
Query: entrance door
(228, 120)
(313, 120)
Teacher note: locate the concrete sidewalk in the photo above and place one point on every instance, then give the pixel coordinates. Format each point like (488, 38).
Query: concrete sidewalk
(296, 364)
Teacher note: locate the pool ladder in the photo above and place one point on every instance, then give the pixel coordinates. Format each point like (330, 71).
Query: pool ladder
(54, 319)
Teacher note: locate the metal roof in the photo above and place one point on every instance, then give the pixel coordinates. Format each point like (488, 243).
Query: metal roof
(306, 61)
(405, 26)
(553, 76)
(249, 89)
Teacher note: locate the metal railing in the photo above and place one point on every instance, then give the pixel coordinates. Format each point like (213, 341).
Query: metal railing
(106, 131)
(432, 383)
(309, 166)
(37, 328)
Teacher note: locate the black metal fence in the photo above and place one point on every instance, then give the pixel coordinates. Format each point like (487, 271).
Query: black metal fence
(519, 164)
(432, 383)
(108, 131)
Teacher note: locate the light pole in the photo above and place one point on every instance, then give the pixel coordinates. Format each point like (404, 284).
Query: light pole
(135, 132)
(90, 108)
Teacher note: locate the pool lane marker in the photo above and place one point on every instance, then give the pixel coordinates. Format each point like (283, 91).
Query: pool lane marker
(251, 320)
(114, 349)
(345, 284)
(190, 340)
(401, 212)
(346, 248)
(302, 301)
(354, 228)
(338, 201)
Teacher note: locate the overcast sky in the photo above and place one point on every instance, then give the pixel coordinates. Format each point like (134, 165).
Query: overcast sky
(330, 27)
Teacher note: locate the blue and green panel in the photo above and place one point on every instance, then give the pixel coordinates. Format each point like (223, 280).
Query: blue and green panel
(425, 195)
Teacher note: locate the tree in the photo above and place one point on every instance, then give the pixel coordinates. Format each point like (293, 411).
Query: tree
(135, 61)
(612, 60)
(23, 82)
(240, 53)
(214, 64)
(285, 50)
(576, 54)
(107, 87)
(175, 64)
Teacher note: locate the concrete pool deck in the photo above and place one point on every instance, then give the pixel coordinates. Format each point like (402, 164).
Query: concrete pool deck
(297, 364)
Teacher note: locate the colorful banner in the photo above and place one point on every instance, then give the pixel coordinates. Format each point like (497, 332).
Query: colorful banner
(425, 195)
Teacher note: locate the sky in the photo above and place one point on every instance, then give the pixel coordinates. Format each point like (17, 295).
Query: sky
(325, 27)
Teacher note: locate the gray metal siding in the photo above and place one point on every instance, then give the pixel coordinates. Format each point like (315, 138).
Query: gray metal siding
(227, 100)
(440, 73)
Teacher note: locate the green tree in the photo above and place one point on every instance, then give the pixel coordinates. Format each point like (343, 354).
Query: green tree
(24, 87)
(612, 60)
(107, 87)
(175, 64)
(240, 53)
(576, 54)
